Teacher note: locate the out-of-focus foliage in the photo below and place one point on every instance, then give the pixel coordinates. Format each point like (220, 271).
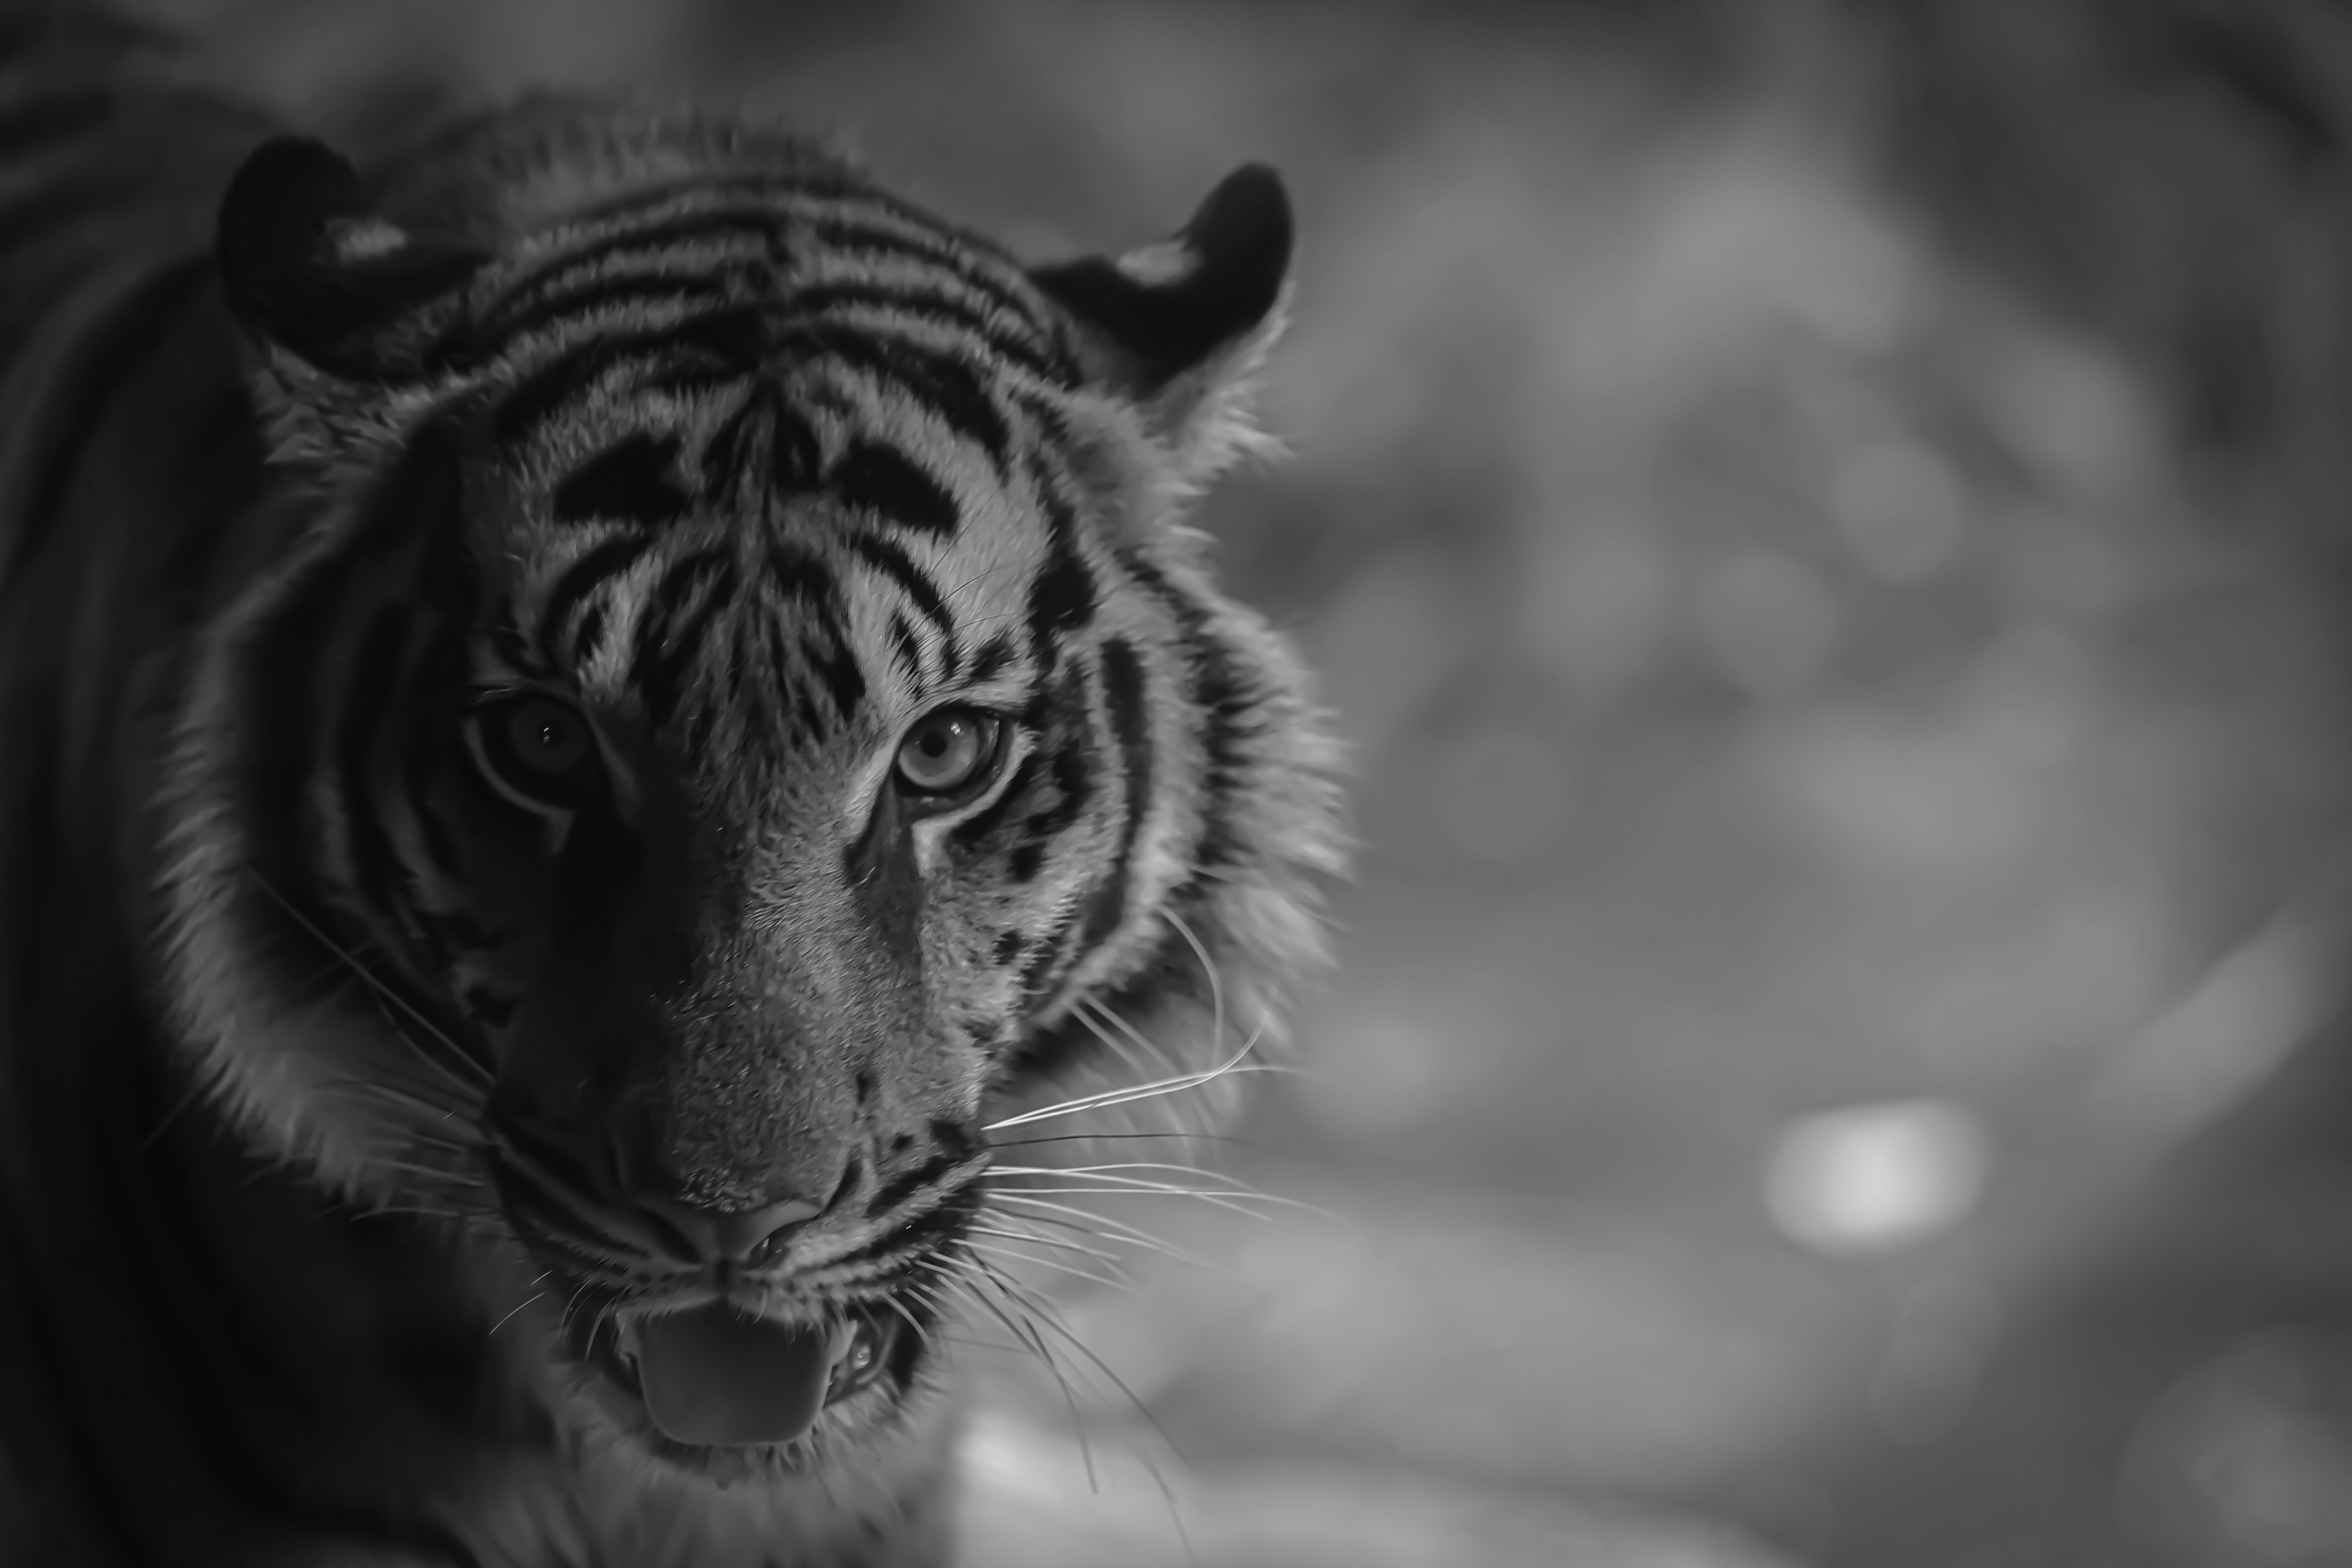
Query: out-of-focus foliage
(1839, 804)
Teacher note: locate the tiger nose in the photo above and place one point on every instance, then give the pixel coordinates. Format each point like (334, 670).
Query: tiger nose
(722, 1235)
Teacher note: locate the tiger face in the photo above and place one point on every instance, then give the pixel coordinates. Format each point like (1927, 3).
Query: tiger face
(732, 712)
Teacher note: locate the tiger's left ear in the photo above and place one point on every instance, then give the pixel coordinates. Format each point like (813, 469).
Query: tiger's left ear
(311, 268)
(1180, 329)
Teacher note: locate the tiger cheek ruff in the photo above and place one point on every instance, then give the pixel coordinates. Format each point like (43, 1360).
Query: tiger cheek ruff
(595, 724)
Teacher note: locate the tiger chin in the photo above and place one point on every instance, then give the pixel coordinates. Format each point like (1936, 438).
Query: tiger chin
(597, 721)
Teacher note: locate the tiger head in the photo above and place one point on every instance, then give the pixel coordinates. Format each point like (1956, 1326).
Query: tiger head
(725, 714)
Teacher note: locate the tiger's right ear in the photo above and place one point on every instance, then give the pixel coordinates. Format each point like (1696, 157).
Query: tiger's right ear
(313, 269)
(1180, 329)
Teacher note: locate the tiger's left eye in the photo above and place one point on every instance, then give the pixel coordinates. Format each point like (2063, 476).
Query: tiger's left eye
(947, 751)
(548, 738)
(537, 752)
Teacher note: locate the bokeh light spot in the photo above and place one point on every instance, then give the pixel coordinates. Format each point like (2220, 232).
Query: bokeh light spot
(1873, 1178)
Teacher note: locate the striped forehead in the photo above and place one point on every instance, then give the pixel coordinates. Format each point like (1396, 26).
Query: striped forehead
(790, 452)
(689, 571)
(726, 276)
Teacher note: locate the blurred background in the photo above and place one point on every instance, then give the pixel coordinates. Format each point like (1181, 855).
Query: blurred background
(1821, 525)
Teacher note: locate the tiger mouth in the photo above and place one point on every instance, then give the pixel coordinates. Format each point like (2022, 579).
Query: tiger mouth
(713, 1377)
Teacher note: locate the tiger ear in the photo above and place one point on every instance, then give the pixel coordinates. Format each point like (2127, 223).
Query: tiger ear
(311, 268)
(1180, 329)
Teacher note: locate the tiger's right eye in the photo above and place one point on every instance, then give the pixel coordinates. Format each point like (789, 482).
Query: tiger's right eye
(538, 752)
(948, 751)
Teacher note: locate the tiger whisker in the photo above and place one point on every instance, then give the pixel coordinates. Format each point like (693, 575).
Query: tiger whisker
(1093, 1225)
(518, 1307)
(1042, 1241)
(922, 1335)
(1117, 1283)
(1116, 1137)
(1026, 1331)
(384, 992)
(1126, 1096)
(1087, 1010)
(1041, 1311)
(1126, 1027)
(1216, 982)
(1156, 1190)
(1237, 1196)
(1204, 1173)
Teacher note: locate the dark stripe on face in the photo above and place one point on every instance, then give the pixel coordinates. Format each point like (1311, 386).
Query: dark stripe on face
(667, 646)
(905, 651)
(1062, 599)
(977, 827)
(590, 640)
(370, 702)
(951, 387)
(1170, 971)
(558, 271)
(933, 1229)
(825, 645)
(1072, 776)
(367, 697)
(853, 236)
(632, 480)
(790, 690)
(899, 1189)
(496, 334)
(798, 574)
(763, 445)
(605, 563)
(887, 887)
(437, 667)
(729, 341)
(930, 308)
(836, 665)
(882, 479)
(994, 655)
(1223, 693)
(1065, 756)
(794, 454)
(1043, 970)
(1218, 688)
(1130, 720)
(894, 563)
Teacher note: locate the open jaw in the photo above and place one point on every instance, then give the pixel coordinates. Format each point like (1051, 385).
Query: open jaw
(712, 1376)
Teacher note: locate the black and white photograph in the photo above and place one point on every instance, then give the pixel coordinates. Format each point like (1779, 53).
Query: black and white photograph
(1175, 784)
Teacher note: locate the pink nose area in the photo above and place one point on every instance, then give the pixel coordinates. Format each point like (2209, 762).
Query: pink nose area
(730, 1236)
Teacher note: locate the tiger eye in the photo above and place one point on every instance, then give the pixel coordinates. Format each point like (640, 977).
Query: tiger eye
(946, 751)
(540, 753)
(548, 738)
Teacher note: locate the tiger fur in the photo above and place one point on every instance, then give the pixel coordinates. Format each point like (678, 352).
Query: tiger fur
(583, 713)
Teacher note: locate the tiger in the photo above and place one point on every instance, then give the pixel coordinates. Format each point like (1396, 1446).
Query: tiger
(599, 719)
